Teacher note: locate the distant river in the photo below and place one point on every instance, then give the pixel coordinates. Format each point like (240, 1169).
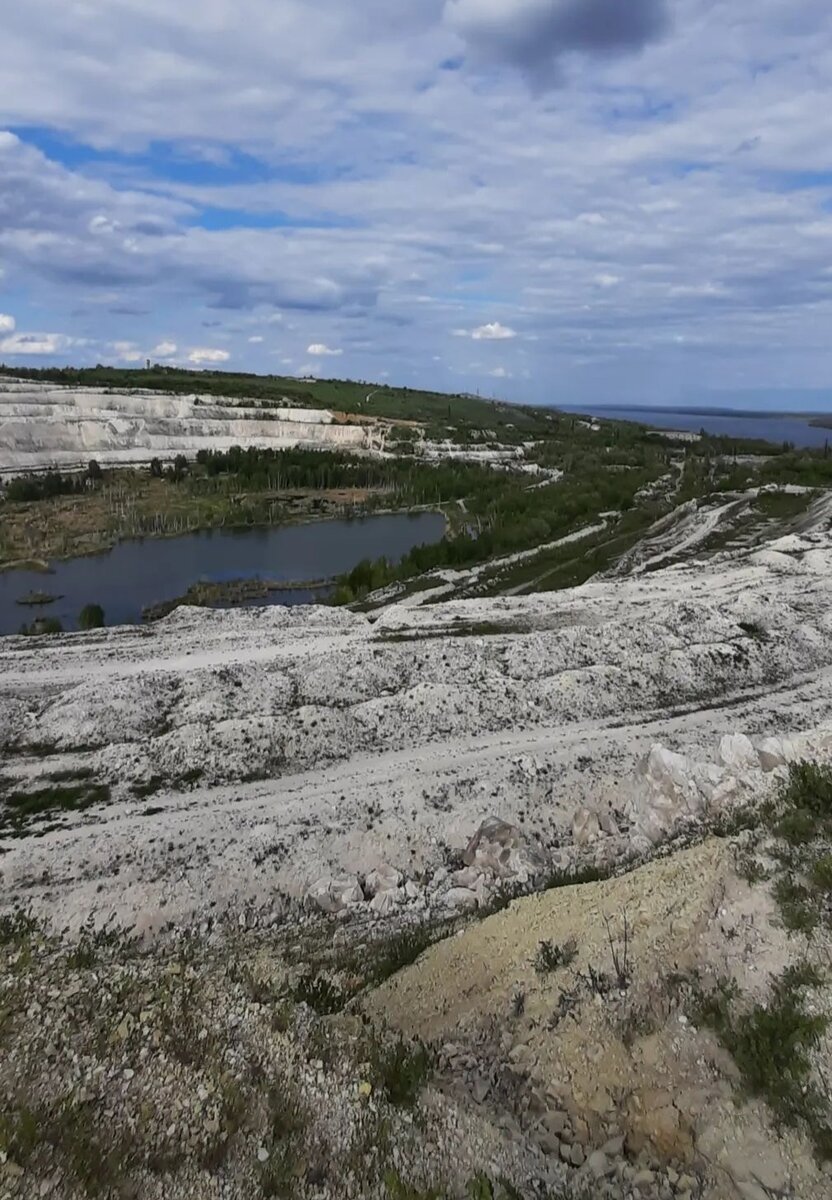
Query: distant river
(136, 574)
(771, 427)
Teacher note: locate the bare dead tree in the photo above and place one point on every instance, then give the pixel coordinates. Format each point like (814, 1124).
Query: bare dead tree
(620, 956)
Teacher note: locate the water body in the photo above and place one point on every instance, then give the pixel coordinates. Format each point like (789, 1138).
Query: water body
(136, 574)
(771, 427)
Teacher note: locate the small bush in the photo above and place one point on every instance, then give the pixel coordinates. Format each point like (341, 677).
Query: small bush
(798, 908)
(16, 927)
(551, 957)
(91, 616)
(321, 994)
(401, 1070)
(392, 954)
(770, 1044)
(69, 798)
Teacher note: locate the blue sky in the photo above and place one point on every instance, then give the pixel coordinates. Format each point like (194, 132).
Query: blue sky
(549, 200)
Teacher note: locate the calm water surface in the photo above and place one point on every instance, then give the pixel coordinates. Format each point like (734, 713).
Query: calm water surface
(136, 574)
(773, 427)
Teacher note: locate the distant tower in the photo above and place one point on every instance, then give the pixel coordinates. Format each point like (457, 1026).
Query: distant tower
(147, 364)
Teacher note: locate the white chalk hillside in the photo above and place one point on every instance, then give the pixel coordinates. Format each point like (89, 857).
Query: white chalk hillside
(298, 749)
(46, 425)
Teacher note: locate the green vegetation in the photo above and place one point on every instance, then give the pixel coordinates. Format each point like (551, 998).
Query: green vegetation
(771, 1044)
(800, 817)
(42, 625)
(91, 617)
(551, 957)
(400, 1070)
(19, 807)
(343, 395)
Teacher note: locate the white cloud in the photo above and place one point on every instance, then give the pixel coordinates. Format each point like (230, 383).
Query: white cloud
(205, 354)
(7, 323)
(656, 155)
(256, 340)
(165, 350)
(605, 280)
(500, 373)
(493, 332)
(36, 344)
(127, 352)
(319, 350)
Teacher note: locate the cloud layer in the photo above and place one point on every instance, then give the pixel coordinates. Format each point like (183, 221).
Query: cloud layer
(534, 35)
(602, 201)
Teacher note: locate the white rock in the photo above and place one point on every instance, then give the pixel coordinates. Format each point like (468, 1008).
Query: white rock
(776, 752)
(382, 879)
(586, 827)
(333, 895)
(468, 877)
(460, 899)
(384, 903)
(737, 752)
(501, 849)
(665, 791)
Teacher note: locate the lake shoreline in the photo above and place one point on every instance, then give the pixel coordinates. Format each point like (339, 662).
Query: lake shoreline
(291, 563)
(44, 565)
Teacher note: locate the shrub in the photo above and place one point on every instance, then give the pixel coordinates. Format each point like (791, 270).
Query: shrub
(91, 616)
(401, 1071)
(770, 1044)
(550, 957)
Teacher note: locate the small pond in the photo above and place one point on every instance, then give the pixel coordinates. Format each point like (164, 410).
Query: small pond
(137, 574)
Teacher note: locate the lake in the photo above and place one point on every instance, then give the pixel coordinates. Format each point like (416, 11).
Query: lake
(136, 574)
(771, 427)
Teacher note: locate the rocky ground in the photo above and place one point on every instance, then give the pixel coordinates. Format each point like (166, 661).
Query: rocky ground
(286, 809)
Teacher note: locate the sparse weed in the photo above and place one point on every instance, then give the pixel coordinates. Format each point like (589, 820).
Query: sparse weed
(770, 1043)
(321, 994)
(17, 927)
(551, 957)
(400, 1071)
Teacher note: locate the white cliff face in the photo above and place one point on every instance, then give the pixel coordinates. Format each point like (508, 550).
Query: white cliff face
(290, 748)
(44, 425)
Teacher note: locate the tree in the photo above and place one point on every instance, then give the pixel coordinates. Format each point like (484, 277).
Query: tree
(91, 616)
(155, 468)
(94, 471)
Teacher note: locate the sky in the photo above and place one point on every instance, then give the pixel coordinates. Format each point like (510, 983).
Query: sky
(557, 201)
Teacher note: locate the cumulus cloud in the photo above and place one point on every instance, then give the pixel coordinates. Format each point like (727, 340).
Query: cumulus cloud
(165, 350)
(205, 354)
(493, 332)
(500, 373)
(320, 350)
(503, 202)
(35, 344)
(534, 34)
(256, 340)
(7, 323)
(127, 352)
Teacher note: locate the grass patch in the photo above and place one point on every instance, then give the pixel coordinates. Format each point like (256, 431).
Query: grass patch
(400, 1071)
(149, 788)
(468, 629)
(783, 504)
(22, 806)
(71, 774)
(800, 817)
(558, 878)
(323, 995)
(771, 1045)
(392, 954)
(753, 630)
(286, 1123)
(17, 927)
